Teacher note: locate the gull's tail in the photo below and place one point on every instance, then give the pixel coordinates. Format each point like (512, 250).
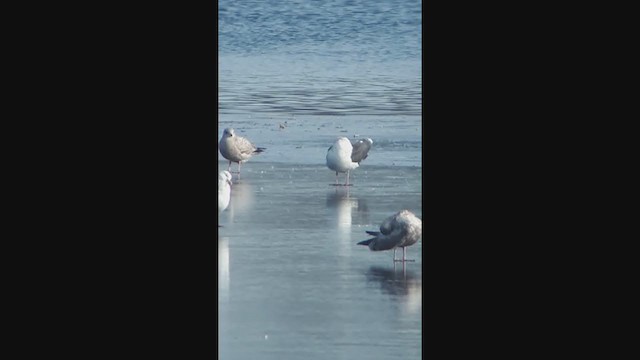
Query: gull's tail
(367, 242)
(259, 150)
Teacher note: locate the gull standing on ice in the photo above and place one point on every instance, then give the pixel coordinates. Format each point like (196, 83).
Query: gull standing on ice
(224, 190)
(340, 157)
(399, 230)
(236, 148)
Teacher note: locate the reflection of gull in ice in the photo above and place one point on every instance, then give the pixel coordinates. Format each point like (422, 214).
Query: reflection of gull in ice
(224, 190)
(413, 302)
(343, 200)
(236, 149)
(402, 284)
(242, 199)
(343, 203)
(398, 230)
(343, 206)
(223, 267)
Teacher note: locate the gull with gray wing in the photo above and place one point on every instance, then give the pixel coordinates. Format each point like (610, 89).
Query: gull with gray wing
(237, 149)
(342, 156)
(401, 229)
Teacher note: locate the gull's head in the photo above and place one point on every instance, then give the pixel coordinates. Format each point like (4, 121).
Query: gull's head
(228, 132)
(225, 175)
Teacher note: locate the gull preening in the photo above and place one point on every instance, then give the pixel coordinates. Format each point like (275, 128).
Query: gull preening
(342, 156)
(236, 148)
(398, 230)
(224, 190)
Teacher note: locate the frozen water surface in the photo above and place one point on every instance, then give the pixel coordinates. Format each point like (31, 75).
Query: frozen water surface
(293, 284)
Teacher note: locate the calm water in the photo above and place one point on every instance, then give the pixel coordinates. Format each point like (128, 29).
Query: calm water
(294, 76)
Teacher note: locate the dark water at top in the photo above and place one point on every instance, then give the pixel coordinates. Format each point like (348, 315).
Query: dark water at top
(336, 57)
(359, 29)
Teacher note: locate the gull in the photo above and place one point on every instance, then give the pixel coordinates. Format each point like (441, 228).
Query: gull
(339, 158)
(224, 190)
(236, 148)
(401, 229)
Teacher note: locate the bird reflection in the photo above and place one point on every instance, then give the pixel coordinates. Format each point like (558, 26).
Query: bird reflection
(223, 268)
(334, 198)
(242, 198)
(401, 283)
(344, 203)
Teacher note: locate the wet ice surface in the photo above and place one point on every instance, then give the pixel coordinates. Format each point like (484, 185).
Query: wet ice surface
(397, 140)
(293, 284)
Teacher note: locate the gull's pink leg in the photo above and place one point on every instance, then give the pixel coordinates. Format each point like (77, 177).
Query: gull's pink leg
(404, 255)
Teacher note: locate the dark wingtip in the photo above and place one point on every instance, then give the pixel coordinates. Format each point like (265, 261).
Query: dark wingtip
(365, 242)
(259, 150)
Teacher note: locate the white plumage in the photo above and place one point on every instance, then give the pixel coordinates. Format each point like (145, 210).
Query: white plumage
(339, 158)
(224, 190)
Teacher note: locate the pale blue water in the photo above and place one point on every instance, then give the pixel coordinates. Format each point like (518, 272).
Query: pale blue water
(293, 282)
